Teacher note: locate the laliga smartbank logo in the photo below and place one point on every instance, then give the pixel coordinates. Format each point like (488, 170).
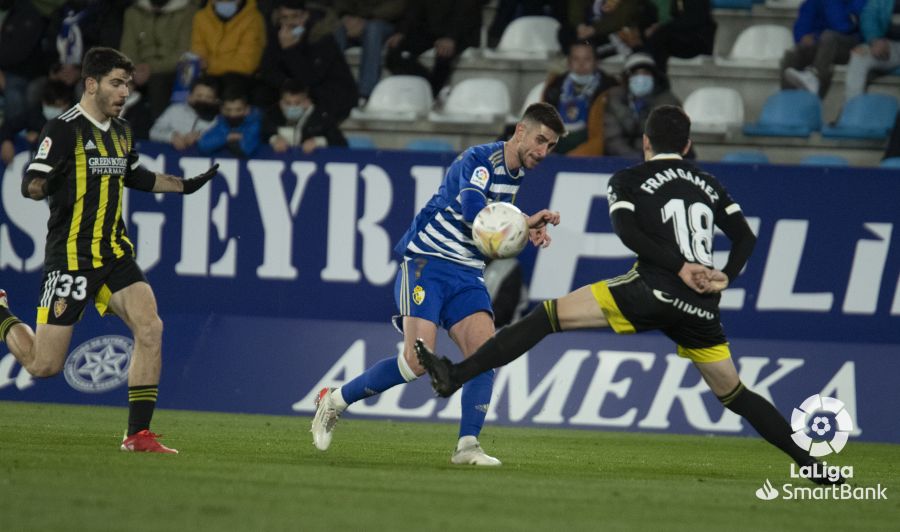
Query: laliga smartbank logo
(821, 426)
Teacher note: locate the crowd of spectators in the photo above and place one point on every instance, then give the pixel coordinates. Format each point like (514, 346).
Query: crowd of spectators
(232, 75)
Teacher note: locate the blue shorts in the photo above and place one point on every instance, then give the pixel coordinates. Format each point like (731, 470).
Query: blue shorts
(440, 291)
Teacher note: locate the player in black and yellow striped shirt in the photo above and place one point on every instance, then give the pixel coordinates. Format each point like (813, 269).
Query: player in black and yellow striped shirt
(86, 157)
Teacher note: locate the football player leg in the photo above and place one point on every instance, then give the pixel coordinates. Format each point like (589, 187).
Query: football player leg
(135, 304)
(42, 354)
(723, 380)
(469, 334)
(385, 374)
(577, 310)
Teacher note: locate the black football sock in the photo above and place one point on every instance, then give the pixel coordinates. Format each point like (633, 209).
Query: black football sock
(141, 403)
(767, 421)
(510, 342)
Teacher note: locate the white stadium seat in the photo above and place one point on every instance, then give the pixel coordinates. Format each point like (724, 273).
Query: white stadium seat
(760, 45)
(527, 38)
(397, 98)
(714, 109)
(533, 96)
(475, 100)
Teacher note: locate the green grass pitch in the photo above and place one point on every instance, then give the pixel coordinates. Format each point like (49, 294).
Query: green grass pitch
(61, 470)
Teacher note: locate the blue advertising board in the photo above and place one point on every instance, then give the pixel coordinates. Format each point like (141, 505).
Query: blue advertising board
(276, 280)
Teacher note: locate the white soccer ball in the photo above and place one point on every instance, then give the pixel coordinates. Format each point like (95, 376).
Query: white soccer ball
(500, 231)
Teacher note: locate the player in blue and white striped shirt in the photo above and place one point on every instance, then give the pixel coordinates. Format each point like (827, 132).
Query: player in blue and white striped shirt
(440, 281)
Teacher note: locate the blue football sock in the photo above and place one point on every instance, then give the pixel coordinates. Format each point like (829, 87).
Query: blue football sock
(383, 375)
(476, 398)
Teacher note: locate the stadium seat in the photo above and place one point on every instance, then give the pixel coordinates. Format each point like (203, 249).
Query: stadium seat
(430, 145)
(533, 96)
(788, 113)
(714, 109)
(475, 100)
(824, 160)
(360, 142)
(527, 38)
(732, 4)
(759, 45)
(397, 98)
(783, 4)
(748, 157)
(890, 162)
(867, 116)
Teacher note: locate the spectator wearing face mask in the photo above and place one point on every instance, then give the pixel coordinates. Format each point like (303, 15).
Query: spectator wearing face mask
(181, 124)
(236, 129)
(56, 98)
(229, 36)
(628, 106)
(296, 121)
(155, 35)
(579, 94)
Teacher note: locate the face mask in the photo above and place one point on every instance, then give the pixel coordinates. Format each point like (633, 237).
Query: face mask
(234, 121)
(640, 85)
(51, 112)
(226, 10)
(206, 111)
(298, 31)
(293, 112)
(581, 79)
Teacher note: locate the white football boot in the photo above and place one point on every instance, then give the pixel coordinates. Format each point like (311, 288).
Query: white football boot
(469, 452)
(323, 423)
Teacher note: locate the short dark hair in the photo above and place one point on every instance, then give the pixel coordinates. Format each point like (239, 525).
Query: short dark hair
(100, 61)
(668, 128)
(583, 43)
(546, 114)
(234, 92)
(206, 81)
(294, 86)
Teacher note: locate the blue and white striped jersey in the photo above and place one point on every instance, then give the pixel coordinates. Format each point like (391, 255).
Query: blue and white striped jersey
(478, 176)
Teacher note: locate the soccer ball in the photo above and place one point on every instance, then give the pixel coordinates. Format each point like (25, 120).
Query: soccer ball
(500, 231)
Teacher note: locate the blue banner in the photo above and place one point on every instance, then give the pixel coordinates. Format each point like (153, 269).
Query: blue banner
(269, 278)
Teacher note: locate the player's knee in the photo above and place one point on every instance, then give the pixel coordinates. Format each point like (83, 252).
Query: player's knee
(149, 332)
(409, 364)
(45, 368)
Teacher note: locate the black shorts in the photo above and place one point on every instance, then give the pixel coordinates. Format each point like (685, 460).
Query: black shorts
(65, 293)
(631, 306)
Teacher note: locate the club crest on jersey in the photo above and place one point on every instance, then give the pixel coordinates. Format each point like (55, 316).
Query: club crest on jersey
(59, 306)
(44, 149)
(480, 177)
(418, 295)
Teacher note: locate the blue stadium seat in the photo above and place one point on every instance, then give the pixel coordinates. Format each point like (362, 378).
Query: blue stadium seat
(824, 160)
(788, 113)
(749, 157)
(360, 142)
(430, 145)
(732, 4)
(890, 162)
(867, 116)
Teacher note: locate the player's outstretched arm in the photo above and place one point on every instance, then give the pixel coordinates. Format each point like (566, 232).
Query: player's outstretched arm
(170, 183)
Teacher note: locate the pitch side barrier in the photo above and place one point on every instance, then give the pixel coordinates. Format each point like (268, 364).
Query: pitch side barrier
(277, 280)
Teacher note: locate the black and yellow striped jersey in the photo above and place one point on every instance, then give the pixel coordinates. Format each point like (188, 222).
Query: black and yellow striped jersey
(87, 164)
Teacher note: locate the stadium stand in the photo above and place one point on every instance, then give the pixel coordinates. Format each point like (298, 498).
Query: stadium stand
(867, 116)
(788, 113)
(426, 144)
(714, 109)
(475, 100)
(398, 98)
(824, 160)
(751, 157)
(528, 38)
